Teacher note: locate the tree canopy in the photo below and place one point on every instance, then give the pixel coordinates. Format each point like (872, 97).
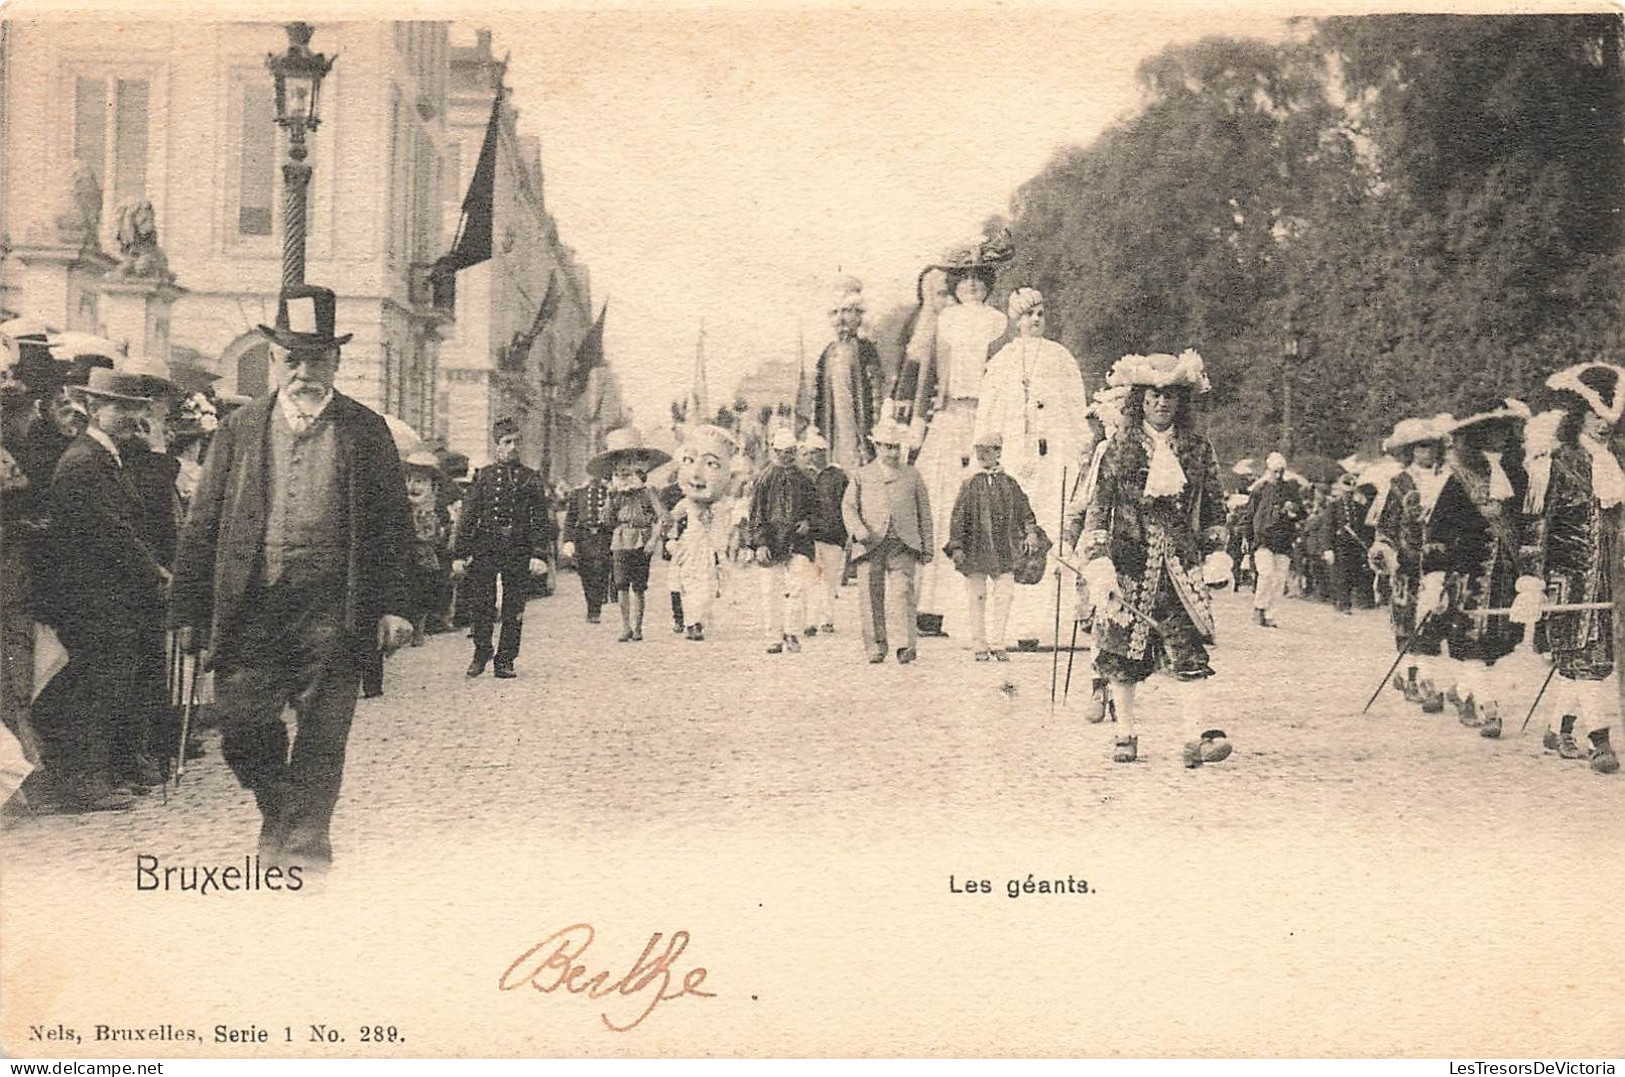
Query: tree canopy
(1429, 204)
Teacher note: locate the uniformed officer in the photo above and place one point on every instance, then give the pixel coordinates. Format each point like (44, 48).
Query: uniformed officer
(587, 530)
(506, 531)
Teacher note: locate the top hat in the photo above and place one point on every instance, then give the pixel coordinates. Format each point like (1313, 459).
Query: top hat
(123, 385)
(304, 319)
(625, 445)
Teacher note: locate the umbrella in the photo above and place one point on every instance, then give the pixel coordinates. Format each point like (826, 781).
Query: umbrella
(1317, 468)
(407, 440)
(24, 327)
(74, 344)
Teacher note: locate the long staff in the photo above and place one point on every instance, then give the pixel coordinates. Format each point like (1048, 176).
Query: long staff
(1055, 655)
(188, 701)
(1398, 658)
(1532, 707)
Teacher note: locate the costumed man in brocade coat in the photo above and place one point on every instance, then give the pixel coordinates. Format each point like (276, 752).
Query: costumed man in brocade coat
(1470, 560)
(587, 530)
(292, 571)
(1576, 489)
(1032, 393)
(1157, 511)
(1105, 423)
(846, 381)
(1403, 511)
(504, 531)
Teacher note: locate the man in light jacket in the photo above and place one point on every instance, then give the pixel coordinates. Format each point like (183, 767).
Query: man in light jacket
(888, 515)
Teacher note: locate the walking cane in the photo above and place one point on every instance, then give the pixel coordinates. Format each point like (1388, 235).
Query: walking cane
(1400, 657)
(189, 700)
(1071, 653)
(1055, 656)
(1532, 707)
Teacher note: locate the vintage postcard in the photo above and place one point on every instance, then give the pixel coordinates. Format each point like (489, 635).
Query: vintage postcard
(642, 529)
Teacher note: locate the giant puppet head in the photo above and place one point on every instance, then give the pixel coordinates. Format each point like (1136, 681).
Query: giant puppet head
(705, 464)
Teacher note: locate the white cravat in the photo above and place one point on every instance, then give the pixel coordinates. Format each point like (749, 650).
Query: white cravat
(1164, 478)
(1500, 485)
(1607, 480)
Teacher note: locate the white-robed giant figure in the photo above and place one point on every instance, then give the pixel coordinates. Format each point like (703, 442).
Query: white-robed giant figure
(1032, 395)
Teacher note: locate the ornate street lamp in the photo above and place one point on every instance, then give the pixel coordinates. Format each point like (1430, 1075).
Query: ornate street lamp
(298, 74)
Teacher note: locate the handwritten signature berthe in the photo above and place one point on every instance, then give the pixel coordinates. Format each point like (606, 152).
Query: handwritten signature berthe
(551, 964)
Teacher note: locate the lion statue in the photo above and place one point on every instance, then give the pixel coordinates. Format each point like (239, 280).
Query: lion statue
(140, 257)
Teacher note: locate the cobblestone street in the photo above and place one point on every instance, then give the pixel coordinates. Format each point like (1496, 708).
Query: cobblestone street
(676, 784)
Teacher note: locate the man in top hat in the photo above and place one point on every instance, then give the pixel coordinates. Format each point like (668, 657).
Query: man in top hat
(108, 597)
(780, 530)
(888, 514)
(505, 531)
(846, 381)
(292, 573)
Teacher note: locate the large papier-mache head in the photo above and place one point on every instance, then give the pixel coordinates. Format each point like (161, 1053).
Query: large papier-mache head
(705, 463)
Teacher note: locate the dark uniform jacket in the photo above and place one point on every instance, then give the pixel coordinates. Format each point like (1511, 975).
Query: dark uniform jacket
(827, 523)
(587, 511)
(505, 511)
(781, 511)
(225, 530)
(1273, 515)
(106, 572)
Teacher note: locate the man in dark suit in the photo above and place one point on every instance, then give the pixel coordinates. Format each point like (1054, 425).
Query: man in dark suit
(109, 591)
(846, 382)
(587, 530)
(292, 570)
(505, 530)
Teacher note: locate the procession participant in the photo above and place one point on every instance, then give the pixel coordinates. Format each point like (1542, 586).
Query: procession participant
(670, 495)
(1032, 394)
(22, 529)
(704, 519)
(1105, 422)
(1577, 491)
(945, 355)
(587, 530)
(781, 514)
(504, 532)
(828, 535)
(1403, 512)
(638, 516)
(109, 592)
(1157, 510)
(990, 527)
(1271, 521)
(1344, 546)
(846, 380)
(291, 572)
(887, 511)
(431, 527)
(1470, 559)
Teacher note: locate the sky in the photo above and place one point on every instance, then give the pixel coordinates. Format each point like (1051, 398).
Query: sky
(726, 166)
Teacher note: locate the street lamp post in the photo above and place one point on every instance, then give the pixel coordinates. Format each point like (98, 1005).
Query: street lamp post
(1291, 351)
(298, 75)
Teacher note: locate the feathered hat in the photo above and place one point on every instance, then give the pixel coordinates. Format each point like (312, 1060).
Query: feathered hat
(1412, 432)
(1161, 371)
(1509, 408)
(1601, 385)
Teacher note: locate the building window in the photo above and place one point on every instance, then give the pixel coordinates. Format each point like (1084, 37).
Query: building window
(110, 134)
(257, 168)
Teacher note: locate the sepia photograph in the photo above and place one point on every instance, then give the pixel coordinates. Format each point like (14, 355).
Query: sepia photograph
(642, 529)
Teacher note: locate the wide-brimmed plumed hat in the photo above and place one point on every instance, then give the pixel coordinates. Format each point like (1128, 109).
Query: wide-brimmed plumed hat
(305, 316)
(1508, 409)
(1160, 371)
(625, 445)
(1413, 432)
(1601, 385)
(987, 252)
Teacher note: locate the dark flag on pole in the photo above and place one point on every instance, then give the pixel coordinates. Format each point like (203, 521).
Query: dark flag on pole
(473, 243)
(549, 307)
(589, 355)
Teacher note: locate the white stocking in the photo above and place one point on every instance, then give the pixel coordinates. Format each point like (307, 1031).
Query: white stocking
(1123, 698)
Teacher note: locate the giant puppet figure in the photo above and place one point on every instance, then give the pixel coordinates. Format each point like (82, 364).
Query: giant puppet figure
(847, 381)
(705, 516)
